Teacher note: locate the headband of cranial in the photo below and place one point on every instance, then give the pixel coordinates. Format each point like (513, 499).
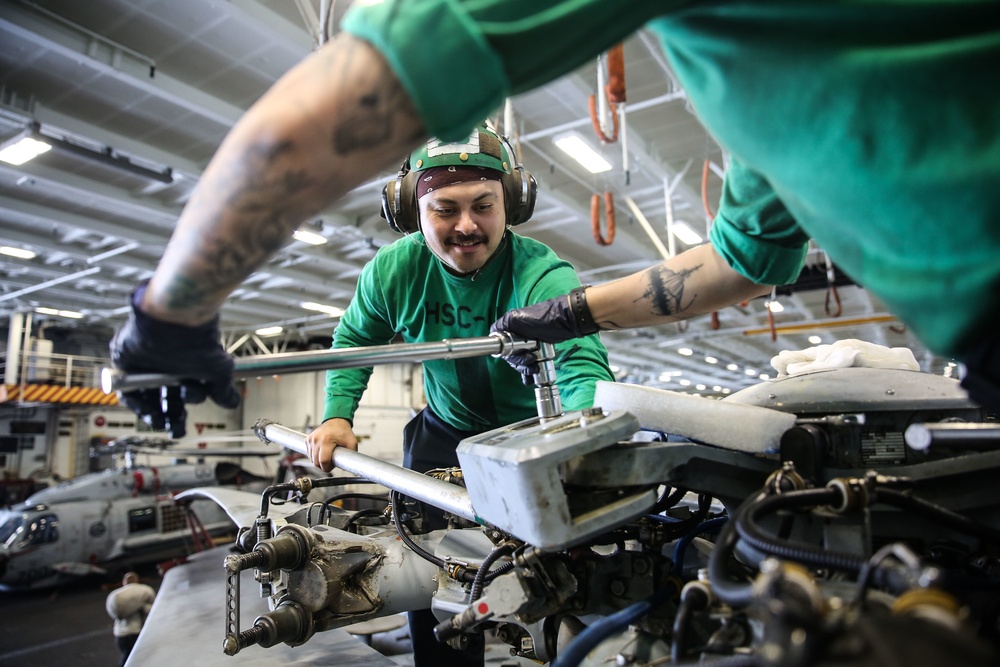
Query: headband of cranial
(440, 177)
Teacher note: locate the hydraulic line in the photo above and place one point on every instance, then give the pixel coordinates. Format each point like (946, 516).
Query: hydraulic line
(609, 625)
(483, 574)
(752, 534)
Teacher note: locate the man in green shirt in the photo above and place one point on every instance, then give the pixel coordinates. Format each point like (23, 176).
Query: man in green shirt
(459, 269)
(872, 128)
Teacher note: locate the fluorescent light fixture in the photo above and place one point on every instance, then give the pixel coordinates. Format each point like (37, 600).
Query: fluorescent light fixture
(684, 382)
(775, 307)
(22, 150)
(312, 238)
(764, 376)
(332, 311)
(750, 371)
(717, 387)
(700, 387)
(71, 314)
(686, 351)
(815, 340)
(683, 231)
(732, 367)
(269, 331)
(726, 390)
(573, 145)
(20, 253)
(711, 360)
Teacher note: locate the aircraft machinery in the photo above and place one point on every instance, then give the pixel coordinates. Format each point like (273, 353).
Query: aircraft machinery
(844, 517)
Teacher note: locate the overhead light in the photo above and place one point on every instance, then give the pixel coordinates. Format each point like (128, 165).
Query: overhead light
(815, 340)
(711, 360)
(732, 367)
(684, 382)
(683, 231)
(700, 387)
(71, 314)
(750, 371)
(775, 307)
(686, 351)
(717, 387)
(269, 331)
(22, 148)
(20, 253)
(764, 376)
(312, 238)
(573, 145)
(332, 311)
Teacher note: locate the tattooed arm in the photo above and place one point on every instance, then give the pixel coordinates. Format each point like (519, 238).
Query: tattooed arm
(696, 282)
(336, 119)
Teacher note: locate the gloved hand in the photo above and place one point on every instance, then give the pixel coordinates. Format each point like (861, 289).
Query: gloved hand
(147, 345)
(553, 321)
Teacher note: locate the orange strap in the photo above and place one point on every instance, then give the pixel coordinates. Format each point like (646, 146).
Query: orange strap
(704, 191)
(595, 218)
(596, 122)
(616, 74)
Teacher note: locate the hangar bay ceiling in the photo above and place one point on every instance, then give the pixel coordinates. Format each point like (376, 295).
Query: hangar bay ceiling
(135, 96)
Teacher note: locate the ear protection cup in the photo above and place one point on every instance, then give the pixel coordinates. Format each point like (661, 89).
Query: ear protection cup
(399, 201)
(399, 196)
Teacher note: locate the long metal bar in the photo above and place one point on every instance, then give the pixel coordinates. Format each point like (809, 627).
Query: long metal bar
(449, 497)
(496, 344)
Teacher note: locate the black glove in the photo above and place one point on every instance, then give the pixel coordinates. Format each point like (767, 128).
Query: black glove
(552, 321)
(147, 345)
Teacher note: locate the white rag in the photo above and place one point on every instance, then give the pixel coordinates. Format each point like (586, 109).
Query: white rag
(844, 354)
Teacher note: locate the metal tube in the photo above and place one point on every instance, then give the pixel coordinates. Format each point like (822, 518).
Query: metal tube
(496, 344)
(952, 434)
(449, 497)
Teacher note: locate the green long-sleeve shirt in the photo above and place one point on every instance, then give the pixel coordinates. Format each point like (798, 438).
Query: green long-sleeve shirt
(871, 127)
(405, 290)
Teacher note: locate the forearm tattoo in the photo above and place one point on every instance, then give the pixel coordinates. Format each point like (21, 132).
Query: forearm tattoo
(665, 290)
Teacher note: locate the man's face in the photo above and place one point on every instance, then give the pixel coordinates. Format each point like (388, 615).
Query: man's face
(463, 223)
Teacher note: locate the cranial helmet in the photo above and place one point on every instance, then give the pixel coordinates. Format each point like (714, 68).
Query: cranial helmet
(483, 148)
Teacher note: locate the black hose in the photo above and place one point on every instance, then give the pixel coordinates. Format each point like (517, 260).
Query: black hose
(464, 576)
(693, 598)
(670, 497)
(483, 574)
(754, 536)
(734, 593)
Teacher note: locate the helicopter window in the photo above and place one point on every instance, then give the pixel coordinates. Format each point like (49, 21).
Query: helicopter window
(141, 519)
(9, 528)
(41, 530)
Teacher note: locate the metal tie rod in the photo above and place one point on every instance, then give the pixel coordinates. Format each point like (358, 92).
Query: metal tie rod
(497, 344)
(441, 494)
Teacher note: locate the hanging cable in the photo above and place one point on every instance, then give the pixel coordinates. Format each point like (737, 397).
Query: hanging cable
(595, 218)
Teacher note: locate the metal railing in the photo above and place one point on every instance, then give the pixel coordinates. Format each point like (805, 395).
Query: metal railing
(67, 370)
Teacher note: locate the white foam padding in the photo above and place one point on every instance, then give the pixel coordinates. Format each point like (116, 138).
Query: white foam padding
(745, 428)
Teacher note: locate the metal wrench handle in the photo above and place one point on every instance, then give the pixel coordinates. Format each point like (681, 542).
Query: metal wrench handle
(499, 344)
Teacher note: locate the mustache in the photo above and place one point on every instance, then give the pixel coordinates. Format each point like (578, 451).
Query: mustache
(466, 238)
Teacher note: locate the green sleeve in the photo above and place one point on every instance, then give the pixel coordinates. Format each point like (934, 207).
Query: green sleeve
(488, 49)
(754, 232)
(364, 323)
